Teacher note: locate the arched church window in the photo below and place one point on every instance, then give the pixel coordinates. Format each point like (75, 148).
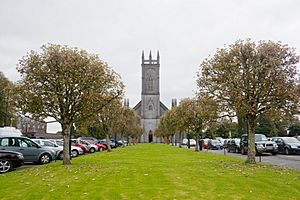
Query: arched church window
(150, 83)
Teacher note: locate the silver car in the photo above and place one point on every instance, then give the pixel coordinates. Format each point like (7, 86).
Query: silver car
(31, 151)
(75, 151)
(50, 145)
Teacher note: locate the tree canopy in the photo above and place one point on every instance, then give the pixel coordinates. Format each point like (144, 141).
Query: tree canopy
(6, 108)
(192, 116)
(248, 78)
(67, 84)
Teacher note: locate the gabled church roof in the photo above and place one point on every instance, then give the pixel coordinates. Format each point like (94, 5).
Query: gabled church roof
(138, 106)
(165, 108)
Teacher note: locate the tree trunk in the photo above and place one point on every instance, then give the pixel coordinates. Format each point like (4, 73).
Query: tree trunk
(66, 131)
(197, 142)
(128, 140)
(251, 140)
(189, 143)
(165, 138)
(180, 139)
(108, 143)
(174, 140)
(123, 145)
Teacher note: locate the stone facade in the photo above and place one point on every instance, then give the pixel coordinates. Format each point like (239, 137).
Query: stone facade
(30, 127)
(150, 108)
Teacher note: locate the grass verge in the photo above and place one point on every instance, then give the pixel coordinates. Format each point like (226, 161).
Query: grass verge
(151, 171)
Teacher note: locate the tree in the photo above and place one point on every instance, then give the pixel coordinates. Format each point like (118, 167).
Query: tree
(7, 111)
(67, 84)
(127, 124)
(226, 128)
(266, 125)
(167, 126)
(294, 129)
(191, 117)
(249, 78)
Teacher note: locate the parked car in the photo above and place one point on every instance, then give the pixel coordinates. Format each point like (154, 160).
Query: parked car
(220, 139)
(192, 142)
(91, 140)
(118, 143)
(297, 137)
(100, 147)
(112, 143)
(225, 142)
(287, 145)
(233, 145)
(91, 147)
(48, 144)
(75, 151)
(84, 148)
(121, 143)
(10, 131)
(205, 143)
(262, 145)
(10, 160)
(31, 151)
(214, 144)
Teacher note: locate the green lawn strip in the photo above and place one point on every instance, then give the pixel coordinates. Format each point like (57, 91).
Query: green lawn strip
(151, 171)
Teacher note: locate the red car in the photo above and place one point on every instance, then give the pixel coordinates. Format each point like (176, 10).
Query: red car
(205, 143)
(84, 148)
(101, 147)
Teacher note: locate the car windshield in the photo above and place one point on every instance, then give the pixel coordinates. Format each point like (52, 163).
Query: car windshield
(215, 142)
(60, 143)
(260, 137)
(291, 140)
(84, 142)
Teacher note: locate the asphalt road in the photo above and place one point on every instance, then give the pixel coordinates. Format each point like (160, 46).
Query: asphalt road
(289, 161)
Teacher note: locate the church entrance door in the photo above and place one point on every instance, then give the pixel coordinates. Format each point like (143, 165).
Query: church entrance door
(150, 135)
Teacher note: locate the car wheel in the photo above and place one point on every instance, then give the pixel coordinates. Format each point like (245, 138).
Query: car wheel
(60, 156)
(5, 165)
(243, 152)
(286, 151)
(100, 149)
(92, 150)
(45, 158)
(74, 153)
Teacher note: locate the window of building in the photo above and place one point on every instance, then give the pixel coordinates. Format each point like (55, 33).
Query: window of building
(150, 107)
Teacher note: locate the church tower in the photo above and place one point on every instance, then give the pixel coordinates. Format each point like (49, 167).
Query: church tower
(150, 108)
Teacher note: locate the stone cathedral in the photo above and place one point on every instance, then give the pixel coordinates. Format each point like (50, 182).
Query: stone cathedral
(150, 108)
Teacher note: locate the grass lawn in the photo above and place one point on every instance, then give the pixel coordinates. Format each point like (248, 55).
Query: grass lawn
(151, 171)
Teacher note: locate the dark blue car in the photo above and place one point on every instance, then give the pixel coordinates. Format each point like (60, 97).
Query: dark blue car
(214, 144)
(287, 145)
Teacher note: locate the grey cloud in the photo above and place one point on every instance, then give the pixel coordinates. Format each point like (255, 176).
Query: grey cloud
(185, 32)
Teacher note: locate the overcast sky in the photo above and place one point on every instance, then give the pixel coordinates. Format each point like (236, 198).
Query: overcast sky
(184, 31)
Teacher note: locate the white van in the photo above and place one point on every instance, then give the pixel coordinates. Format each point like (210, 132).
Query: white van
(10, 131)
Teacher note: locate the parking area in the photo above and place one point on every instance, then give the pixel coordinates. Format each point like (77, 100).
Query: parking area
(290, 161)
